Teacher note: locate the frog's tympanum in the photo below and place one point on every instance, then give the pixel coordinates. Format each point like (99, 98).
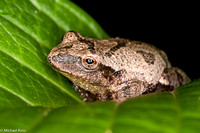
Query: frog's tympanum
(114, 69)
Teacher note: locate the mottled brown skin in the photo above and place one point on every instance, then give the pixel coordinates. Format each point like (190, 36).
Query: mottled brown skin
(114, 69)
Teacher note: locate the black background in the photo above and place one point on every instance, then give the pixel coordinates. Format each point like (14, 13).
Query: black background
(172, 27)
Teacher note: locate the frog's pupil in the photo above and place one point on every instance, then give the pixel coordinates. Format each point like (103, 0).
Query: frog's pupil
(90, 61)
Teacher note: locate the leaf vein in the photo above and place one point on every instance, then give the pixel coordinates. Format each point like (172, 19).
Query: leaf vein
(19, 96)
(36, 71)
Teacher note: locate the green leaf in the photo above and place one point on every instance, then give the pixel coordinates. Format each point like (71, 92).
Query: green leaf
(28, 31)
(175, 112)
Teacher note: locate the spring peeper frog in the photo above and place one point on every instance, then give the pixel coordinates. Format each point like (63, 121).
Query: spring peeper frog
(114, 69)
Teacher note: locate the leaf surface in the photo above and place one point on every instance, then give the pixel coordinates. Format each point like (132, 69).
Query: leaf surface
(175, 112)
(28, 31)
(35, 98)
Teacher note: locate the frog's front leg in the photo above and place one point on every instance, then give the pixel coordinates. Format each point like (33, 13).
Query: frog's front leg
(85, 95)
(172, 78)
(90, 97)
(128, 89)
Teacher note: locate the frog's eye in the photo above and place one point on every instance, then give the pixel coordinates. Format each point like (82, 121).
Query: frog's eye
(89, 62)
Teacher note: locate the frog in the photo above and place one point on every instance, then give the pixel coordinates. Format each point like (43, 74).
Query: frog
(114, 69)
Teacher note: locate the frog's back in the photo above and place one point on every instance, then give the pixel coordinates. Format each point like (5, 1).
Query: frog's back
(140, 60)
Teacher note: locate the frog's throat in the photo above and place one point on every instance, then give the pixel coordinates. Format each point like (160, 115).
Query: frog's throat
(94, 88)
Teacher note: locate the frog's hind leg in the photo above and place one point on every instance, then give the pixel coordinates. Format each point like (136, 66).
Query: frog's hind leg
(172, 78)
(85, 95)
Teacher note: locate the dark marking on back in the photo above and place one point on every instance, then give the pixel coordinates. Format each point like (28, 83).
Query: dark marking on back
(121, 43)
(90, 45)
(148, 57)
(107, 72)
